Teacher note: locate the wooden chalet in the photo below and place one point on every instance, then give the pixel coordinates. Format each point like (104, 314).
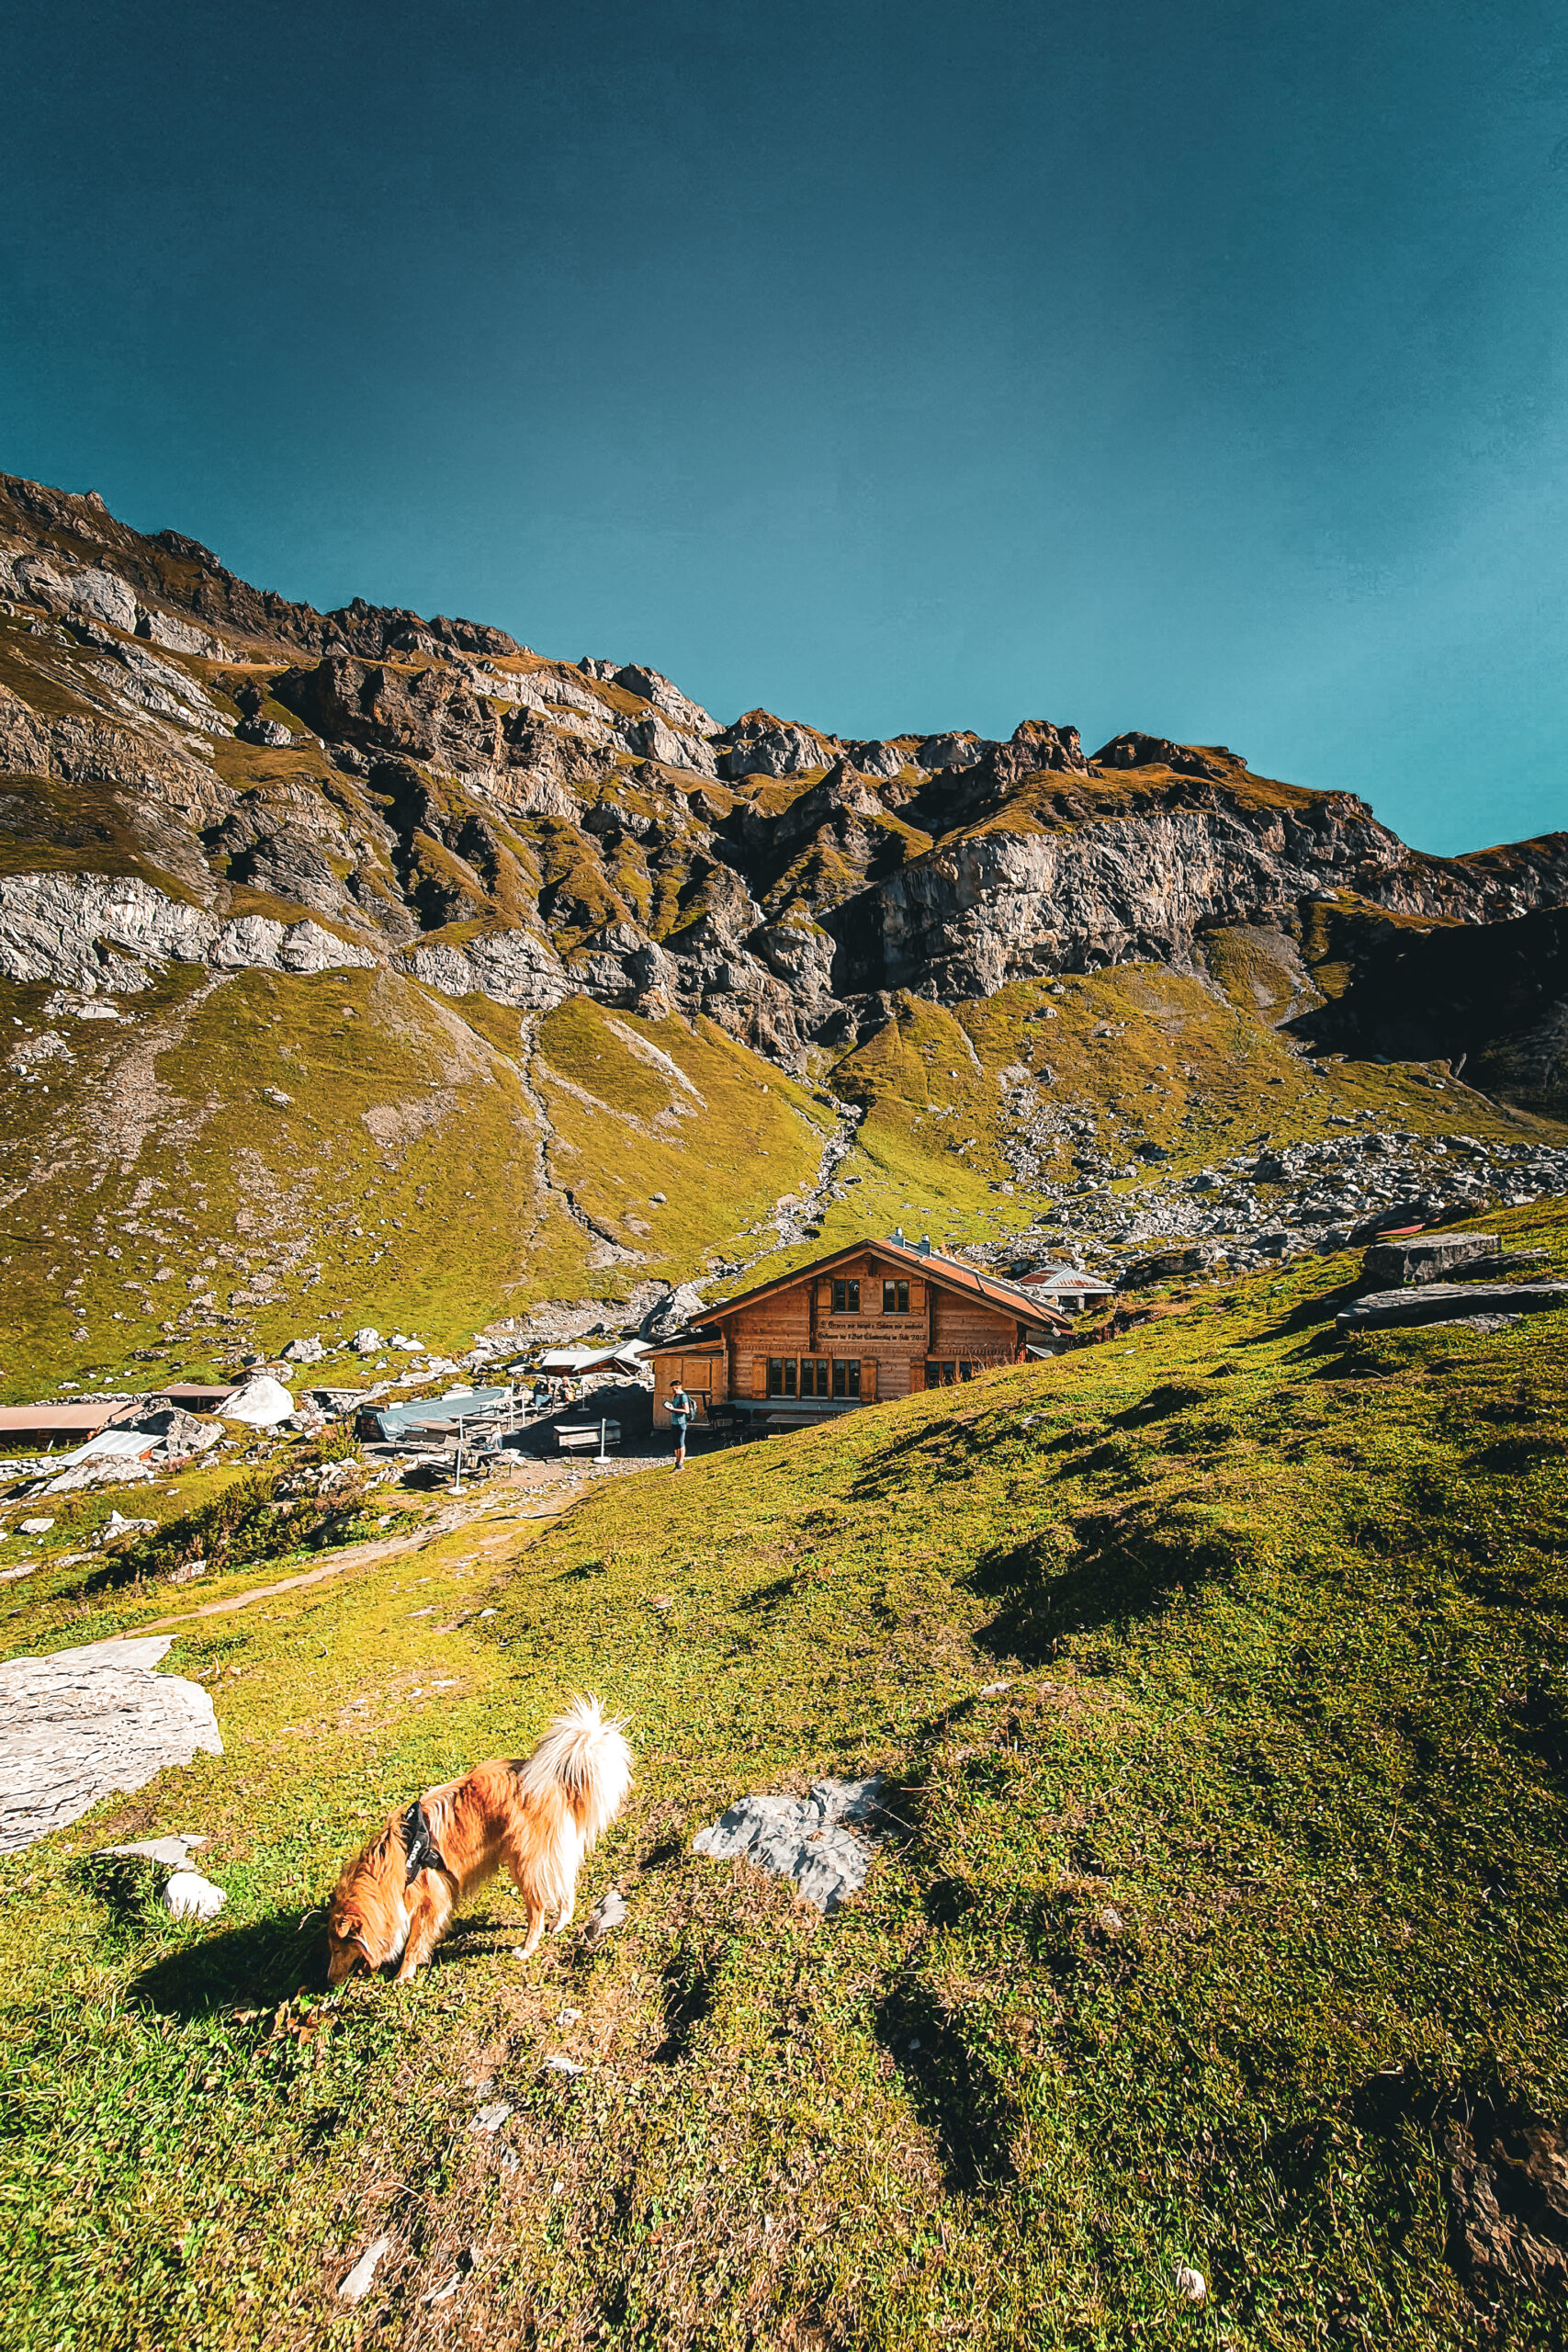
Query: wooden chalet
(880, 1318)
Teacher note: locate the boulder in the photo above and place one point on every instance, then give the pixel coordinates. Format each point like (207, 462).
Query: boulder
(1167, 1265)
(367, 1342)
(80, 1725)
(261, 1403)
(1424, 1257)
(308, 1348)
(824, 1841)
(683, 1306)
(105, 596)
(188, 1895)
(1448, 1303)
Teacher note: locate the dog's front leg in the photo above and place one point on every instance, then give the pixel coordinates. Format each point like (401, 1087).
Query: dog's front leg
(535, 1928)
(568, 1908)
(432, 1911)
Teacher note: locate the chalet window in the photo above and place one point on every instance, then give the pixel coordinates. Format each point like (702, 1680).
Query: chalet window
(895, 1299)
(814, 1375)
(846, 1298)
(846, 1374)
(940, 1375)
(781, 1375)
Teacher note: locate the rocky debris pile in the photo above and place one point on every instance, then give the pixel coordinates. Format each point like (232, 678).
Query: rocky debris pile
(1274, 1204)
(824, 1841)
(78, 1726)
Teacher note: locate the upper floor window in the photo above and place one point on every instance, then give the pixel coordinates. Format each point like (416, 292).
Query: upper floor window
(846, 1298)
(895, 1299)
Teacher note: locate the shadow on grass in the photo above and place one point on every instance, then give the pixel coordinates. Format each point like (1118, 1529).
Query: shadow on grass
(689, 1991)
(1311, 1314)
(952, 2088)
(252, 1967)
(1118, 1571)
(255, 1967)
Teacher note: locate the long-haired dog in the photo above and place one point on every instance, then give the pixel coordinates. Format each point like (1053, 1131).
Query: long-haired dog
(538, 1817)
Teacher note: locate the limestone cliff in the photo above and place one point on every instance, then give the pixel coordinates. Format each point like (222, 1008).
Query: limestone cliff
(367, 785)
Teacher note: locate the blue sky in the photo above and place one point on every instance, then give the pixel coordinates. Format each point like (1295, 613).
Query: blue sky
(1198, 368)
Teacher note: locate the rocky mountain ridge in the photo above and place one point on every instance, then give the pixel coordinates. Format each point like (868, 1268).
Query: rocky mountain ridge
(434, 796)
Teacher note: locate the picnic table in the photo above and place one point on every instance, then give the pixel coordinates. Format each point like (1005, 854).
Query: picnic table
(585, 1437)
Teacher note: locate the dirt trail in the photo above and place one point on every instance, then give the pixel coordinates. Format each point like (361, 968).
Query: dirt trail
(362, 1556)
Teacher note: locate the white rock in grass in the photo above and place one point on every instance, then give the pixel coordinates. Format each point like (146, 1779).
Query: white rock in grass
(824, 1841)
(491, 2118)
(261, 1403)
(356, 2285)
(607, 1914)
(81, 1723)
(1190, 2285)
(188, 1895)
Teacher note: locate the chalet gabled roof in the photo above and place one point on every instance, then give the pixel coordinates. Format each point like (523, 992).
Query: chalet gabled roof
(950, 1273)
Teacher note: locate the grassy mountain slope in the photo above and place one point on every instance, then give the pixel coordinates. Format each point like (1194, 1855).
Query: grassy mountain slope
(164, 1202)
(418, 790)
(973, 1115)
(1220, 1674)
(419, 1176)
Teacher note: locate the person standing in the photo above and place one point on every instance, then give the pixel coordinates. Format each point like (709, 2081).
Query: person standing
(682, 1412)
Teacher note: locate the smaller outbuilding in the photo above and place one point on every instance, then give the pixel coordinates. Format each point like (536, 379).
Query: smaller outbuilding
(1067, 1287)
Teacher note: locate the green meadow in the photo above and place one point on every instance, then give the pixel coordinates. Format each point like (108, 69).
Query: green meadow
(1219, 1675)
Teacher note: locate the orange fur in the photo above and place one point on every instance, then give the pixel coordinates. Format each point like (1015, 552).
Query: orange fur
(537, 1817)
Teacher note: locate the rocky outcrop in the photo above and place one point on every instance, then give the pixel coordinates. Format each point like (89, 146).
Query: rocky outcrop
(589, 826)
(173, 576)
(82, 1724)
(653, 688)
(1000, 904)
(109, 934)
(1490, 999)
(83, 751)
(760, 744)
(1136, 751)
(517, 967)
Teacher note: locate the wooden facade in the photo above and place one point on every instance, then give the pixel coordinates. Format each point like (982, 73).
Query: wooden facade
(876, 1320)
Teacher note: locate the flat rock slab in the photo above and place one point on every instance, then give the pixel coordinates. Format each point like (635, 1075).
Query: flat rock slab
(823, 1841)
(1448, 1303)
(1427, 1256)
(84, 1724)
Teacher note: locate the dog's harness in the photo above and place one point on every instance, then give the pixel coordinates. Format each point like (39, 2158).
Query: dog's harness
(424, 1854)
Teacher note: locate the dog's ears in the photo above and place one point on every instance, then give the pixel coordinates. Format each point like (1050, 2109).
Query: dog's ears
(349, 1928)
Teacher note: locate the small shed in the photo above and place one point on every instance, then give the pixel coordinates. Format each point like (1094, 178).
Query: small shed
(1067, 1287)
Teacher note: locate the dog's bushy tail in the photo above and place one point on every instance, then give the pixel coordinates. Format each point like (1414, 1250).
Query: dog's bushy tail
(587, 1760)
